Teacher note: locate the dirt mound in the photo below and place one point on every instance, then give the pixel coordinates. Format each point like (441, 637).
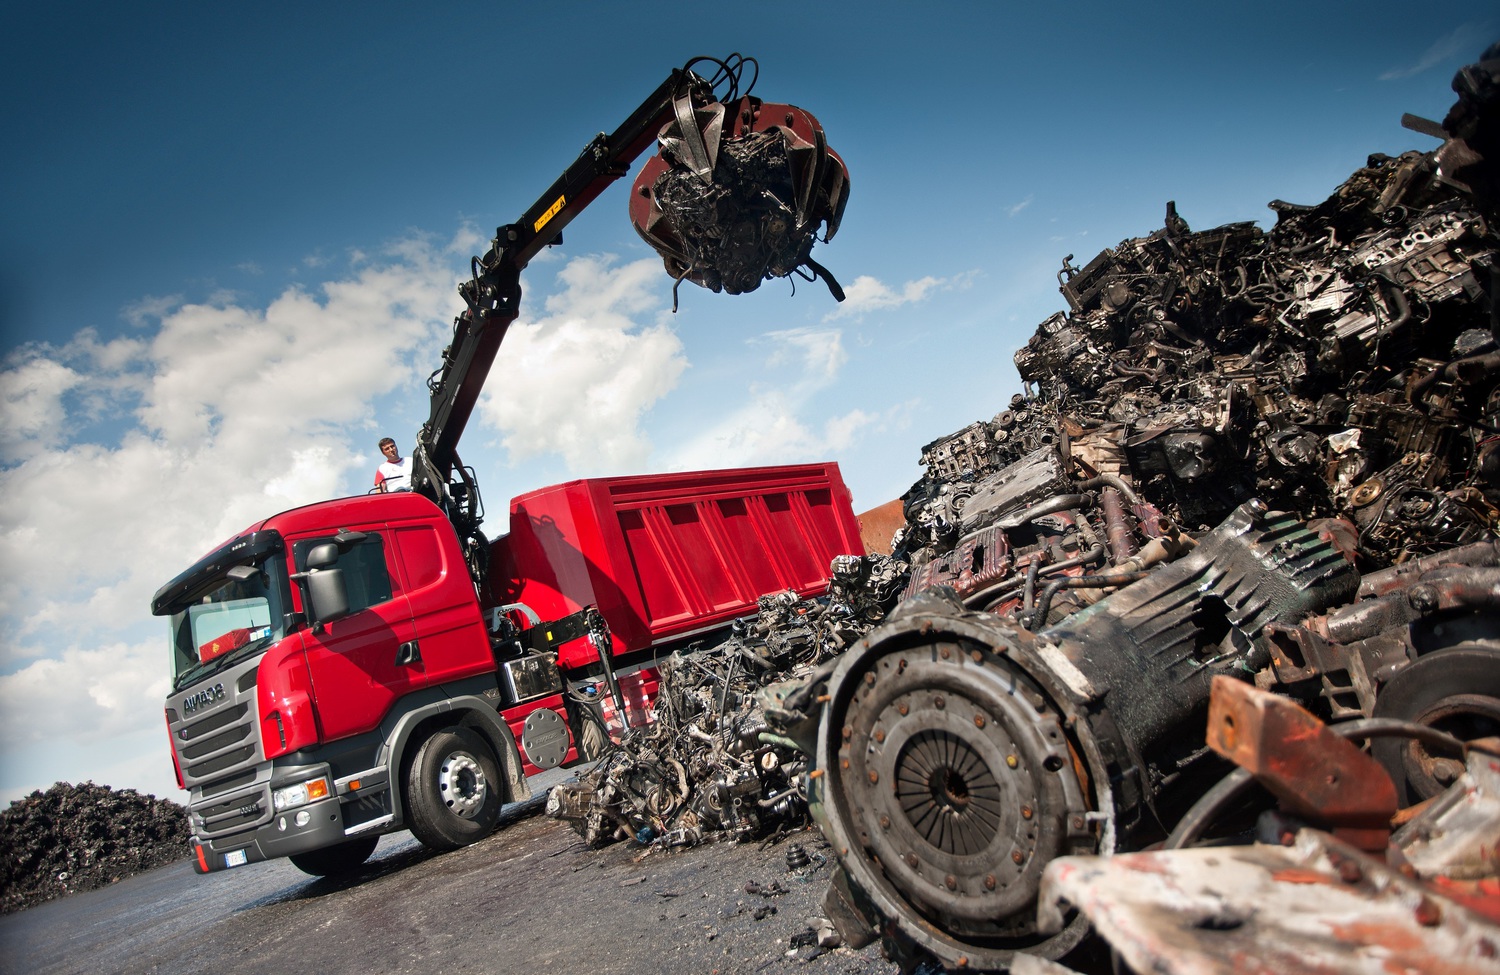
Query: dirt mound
(73, 838)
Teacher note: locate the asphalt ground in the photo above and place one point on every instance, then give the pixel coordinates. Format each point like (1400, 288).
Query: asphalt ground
(530, 898)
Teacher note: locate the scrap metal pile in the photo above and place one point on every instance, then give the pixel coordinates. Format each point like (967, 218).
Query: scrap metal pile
(1272, 456)
(73, 838)
(1267, 456)
(706, 766)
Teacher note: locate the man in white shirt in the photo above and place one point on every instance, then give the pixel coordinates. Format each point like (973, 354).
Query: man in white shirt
(394, 474)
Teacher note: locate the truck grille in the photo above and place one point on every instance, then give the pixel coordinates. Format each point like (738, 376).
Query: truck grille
(219, 751)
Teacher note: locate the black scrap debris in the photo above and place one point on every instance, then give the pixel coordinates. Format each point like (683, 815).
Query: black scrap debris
(707, 768)
(73, 838)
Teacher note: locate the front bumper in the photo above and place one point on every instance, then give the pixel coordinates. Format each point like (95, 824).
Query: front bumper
(283, 835)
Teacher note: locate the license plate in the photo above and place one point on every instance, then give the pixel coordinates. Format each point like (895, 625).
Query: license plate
(235, 859)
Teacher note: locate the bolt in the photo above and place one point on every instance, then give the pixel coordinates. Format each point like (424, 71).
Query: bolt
(879, 735)
(885, 822)
(939, 703)
(1011, 761)
(989, 881)
(845, 764)
(1287, 837)
(1078, 822)
(788, 118)
(911, 860)
(1423, 599)
(870, 679)
(901, 665)
(874, 776)
(1018, 857)
(1428, 914)
(978, 657)
(963, 961)
(848, 731)
(1026, 812)
(979, 721)
(951, 882)
(945, 653)
(902, 709)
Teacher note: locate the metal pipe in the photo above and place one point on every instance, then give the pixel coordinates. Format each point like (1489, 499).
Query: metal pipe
(1397, 576)
(1103, 580)
(1121, 542)
(1062, 502)
(1110, 480)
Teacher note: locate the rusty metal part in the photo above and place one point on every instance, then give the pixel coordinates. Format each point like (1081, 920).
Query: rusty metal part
(1122, 544)
(1479, 555)
(1445, 588)
(958, 764)
(1455, 690)
(1316, 906)
(1313, 772)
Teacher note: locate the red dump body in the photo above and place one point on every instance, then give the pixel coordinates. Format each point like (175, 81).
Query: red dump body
(664, 556)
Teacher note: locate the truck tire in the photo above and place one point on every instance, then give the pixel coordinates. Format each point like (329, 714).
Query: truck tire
(453, 790)
(333, 861)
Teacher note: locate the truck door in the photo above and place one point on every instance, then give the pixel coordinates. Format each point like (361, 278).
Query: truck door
(444, 611)
(357, 673)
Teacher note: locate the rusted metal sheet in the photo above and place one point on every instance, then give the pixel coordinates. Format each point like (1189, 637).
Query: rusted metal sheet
(1313, 772)
(1318, 906)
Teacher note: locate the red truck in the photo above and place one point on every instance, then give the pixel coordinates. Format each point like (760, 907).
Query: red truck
(337, 677)
(374, 663)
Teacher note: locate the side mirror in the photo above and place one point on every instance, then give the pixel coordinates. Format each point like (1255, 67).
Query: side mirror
(322, 556)
(327, 595)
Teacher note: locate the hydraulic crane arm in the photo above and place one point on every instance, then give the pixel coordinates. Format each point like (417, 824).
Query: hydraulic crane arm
(494, 292)
(736, 196)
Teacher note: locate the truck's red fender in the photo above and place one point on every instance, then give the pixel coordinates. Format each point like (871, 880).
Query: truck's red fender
(468, 711)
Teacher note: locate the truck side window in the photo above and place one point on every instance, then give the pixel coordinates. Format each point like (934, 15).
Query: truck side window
(365, 572)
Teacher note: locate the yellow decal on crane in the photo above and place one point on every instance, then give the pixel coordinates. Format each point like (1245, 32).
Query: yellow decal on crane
(552, 211)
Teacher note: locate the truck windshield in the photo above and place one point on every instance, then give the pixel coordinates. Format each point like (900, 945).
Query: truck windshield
(231, 620)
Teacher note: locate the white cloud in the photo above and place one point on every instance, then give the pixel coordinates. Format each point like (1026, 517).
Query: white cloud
(1017, 208)
(31, 404)
(578, 382)
(869, 294)
(1461, 43)
(771, 427)
(229, 412)
(103, 691)
(820, 351)
(153, 307)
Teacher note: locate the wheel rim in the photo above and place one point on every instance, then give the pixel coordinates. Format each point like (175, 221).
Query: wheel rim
(1465, 717)
(462, 784)
(1455, 690)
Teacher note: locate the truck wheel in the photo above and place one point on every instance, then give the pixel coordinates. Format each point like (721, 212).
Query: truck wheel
(452, 790)
(335, 860)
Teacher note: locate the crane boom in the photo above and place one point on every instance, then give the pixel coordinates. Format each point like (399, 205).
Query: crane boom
(725, 227)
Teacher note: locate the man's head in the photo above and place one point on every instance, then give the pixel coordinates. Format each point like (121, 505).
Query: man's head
(388, 447)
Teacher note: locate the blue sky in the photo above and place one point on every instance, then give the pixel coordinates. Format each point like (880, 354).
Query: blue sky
(231, 237)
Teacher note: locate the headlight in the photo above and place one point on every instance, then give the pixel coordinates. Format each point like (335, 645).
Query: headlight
(292, 796)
